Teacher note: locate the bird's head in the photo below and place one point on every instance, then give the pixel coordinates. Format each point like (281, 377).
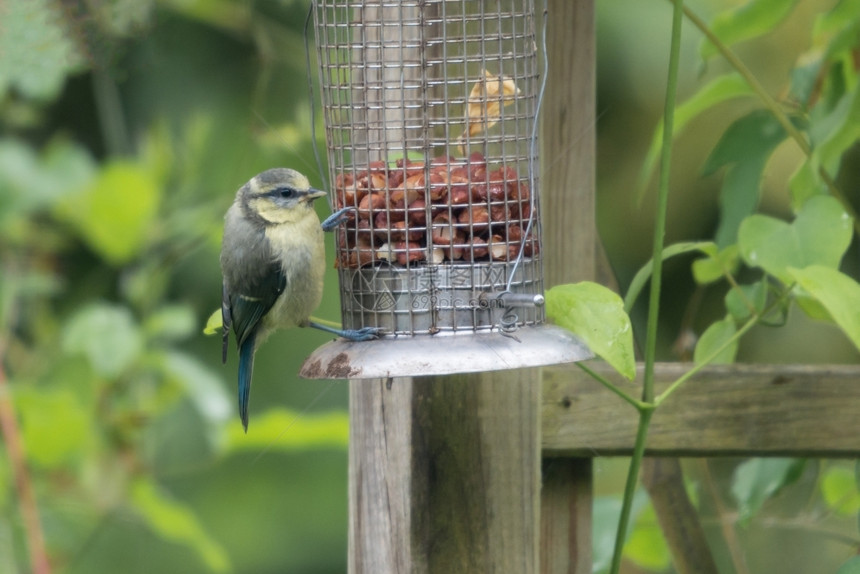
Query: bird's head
(279, 195)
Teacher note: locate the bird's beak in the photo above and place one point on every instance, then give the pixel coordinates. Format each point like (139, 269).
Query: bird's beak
(313, 194)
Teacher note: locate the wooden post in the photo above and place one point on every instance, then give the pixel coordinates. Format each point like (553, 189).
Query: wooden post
(444, 474)
(445, 471)
(570, 244)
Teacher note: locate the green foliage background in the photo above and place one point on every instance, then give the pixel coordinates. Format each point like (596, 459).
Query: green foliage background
(761, 236)
(127, 126)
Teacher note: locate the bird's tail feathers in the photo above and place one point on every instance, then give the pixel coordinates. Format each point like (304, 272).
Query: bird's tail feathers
(246, 370)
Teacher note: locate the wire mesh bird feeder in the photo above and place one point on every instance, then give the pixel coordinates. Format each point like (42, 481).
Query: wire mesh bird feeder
(430, 116)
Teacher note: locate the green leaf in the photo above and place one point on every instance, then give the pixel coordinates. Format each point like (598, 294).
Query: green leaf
(57, 428)
(755, 134)
(844, 13)
(811, 307)
(107, 335)
(713, 339)
(597, 315)
(850, 567)
(644, 274)
(122, 17)
(819, 235)
(36, 50)
(748, 21)
(842, 127)
(646, 546)
(718, 90)
(832, 133)
(745, 146)
(745, 300)
(839, 491)
(835, 34)
(214, 324)
(287, 430)
(758, 479)
(838, 293)
(177, 523)
(115, 215)
(29, 182)
(16, 288)
(715, 267)
(804, 76)
(171, 323)
(805, 183)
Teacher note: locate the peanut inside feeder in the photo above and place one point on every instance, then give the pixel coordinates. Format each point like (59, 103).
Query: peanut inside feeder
(445, 210)
(430, 112)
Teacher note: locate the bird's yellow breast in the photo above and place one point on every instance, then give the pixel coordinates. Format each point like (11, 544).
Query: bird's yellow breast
(300, 250)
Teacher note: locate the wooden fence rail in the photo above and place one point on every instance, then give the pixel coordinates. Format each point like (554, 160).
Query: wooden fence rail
(725, 410)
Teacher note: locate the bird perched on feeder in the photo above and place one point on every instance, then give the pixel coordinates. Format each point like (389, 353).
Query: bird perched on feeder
(272, 263)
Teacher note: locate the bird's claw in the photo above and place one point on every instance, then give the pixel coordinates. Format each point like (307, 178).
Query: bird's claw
(363, 334)
(337, 218)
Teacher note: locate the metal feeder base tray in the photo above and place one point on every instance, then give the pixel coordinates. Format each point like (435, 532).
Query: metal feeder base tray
(445, 354)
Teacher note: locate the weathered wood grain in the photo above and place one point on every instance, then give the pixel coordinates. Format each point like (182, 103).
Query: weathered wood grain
(566, 514)
(569, 246)
(568, 144)
(726, 410)
(380, 435)
(444, 474)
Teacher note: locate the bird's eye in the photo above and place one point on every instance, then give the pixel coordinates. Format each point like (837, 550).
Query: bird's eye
(286, 192)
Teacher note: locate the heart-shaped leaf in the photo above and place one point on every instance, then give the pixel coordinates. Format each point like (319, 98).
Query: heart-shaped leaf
(716, 265)
(839, 294)
(715, 346)
(597, 315)
(819, 235)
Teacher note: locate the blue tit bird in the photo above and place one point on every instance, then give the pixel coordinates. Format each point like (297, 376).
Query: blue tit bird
(272, 263)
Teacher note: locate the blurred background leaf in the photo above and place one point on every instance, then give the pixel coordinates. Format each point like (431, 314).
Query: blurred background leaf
(38, 51)
(759, 479)
(748, 20)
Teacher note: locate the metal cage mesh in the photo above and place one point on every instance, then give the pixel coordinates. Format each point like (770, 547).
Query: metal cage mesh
(429, 110)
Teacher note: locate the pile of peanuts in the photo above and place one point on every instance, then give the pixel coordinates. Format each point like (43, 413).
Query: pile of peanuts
(477, 214)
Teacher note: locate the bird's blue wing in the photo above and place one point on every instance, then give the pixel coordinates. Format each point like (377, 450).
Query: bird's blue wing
(252, 298)
(243, 306)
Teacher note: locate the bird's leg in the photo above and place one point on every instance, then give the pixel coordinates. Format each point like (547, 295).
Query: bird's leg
(363, 334)
(336, 218)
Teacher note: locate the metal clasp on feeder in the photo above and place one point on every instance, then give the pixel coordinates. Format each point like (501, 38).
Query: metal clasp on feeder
(508, 299)
(509, 322)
